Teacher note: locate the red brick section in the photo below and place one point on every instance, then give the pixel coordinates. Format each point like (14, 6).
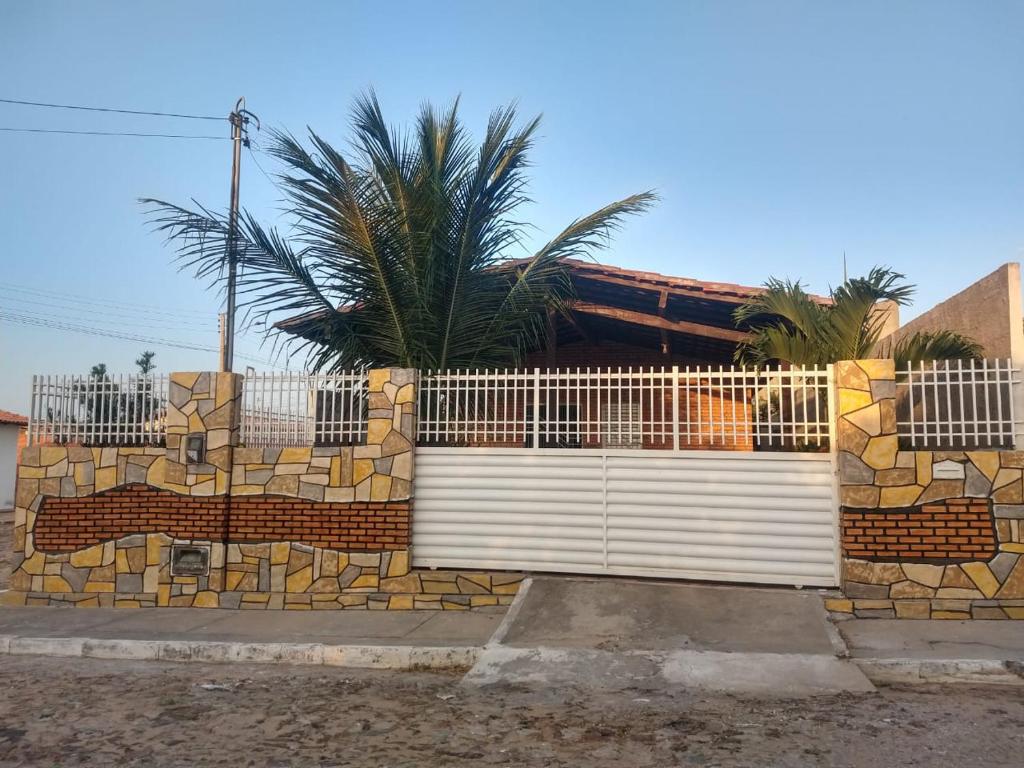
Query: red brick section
(359, 525)
(66, 525)
(953, 529)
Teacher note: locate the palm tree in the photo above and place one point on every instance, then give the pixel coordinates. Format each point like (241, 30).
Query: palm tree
(408, 235)
(788, 325)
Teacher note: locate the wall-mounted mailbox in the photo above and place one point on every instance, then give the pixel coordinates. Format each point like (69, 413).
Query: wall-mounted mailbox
(195, 449)
(190, 560)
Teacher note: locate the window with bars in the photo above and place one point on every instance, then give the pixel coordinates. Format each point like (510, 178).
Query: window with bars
(620, 425)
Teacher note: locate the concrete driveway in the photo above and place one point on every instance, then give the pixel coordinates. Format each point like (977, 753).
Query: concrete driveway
(615, 614)
(633, 635)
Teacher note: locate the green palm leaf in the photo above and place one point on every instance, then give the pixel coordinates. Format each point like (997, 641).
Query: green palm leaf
(409, 233)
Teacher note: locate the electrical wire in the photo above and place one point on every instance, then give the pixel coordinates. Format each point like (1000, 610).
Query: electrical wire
(92, 331)
(77, 298)
(109, 109)
(115, 133)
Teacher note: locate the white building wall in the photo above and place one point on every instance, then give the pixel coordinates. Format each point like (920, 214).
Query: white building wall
(8, 463)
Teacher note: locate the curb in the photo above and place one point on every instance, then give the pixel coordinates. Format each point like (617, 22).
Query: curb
(394, 657)
(923, 671)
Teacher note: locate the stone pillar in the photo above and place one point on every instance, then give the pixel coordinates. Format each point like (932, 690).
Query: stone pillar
(203, 405)
(383, 468)
(867, 440)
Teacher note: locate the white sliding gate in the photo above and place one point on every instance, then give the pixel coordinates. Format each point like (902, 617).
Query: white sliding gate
(768, 517)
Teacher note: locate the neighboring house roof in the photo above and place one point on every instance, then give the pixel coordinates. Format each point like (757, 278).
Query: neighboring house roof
(8, 417)
(647, 309)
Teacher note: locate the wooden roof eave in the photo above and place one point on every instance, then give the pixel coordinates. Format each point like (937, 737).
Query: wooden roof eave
(663, 323)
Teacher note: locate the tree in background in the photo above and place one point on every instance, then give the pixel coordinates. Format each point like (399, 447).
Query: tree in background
(145, 362)
(788, 325)
(409, 234)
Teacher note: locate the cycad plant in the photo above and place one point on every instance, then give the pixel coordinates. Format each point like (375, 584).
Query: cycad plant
(411, 235)
(788, 325)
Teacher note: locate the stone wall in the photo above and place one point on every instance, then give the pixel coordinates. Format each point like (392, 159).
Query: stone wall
(289, 527)
(918, 541)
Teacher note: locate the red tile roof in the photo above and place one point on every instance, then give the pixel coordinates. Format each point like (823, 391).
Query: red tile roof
(7, 417)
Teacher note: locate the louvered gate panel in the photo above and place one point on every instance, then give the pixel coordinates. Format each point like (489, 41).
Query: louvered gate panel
(723, 516)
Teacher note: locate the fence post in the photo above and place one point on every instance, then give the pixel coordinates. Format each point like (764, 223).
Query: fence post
(675, 407)
(536, 408)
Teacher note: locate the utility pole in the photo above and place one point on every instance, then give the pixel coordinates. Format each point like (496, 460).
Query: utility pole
(239, 119)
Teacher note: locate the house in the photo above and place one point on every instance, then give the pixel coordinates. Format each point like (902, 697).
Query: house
(616, 345)
(13, 428)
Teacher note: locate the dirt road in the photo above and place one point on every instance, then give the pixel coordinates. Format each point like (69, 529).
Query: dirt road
(71, 712)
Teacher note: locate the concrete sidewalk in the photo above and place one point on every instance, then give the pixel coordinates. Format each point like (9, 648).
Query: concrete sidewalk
(381, 640)
(605, 633)
(916, 651)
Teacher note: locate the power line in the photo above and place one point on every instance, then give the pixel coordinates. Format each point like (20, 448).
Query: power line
(77, 298)
(91, 331)
(115, 133)
(109, 109)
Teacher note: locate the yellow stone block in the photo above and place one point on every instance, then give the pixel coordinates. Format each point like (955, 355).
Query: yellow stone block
(121, 562)
(88, 558)
(247, 490)
(221, 482)
(983, 578)
(31, 473)
(367, 580)
(55, 584)
(300, 580)
(80, 474)
(377, 378)
(361, 469)
(506, 589)
(479, 600)
(52, 454)
(336, 470)
(225, 388)
(153, 546)
(399, 565)
(986, 461)
(878, 369)
(12, 598)
(923, 462)
(899, 496)
(163, 594)
(99, 586)
(867, 420)
(851, 400)
(406, 394)
(1014, 611)
(377, 430)
(206, 599)
(400, 603)
(1012, 547)
(950, 615)
(295, 456)
(881, 452)
(233, 578)
(34, 564)
(1005, 476)
(106, 478)
(279, 552)
(380, 487)
(127, 604)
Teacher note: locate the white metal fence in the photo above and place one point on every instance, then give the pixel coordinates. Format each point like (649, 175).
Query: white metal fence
(98, 410)
(283, 409)
(955, 404)
(657, 408)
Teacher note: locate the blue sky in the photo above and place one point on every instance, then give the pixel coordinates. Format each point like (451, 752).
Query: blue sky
(779, 135)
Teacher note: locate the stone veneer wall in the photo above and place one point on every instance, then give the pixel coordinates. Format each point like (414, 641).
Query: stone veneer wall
(917, 546)
(320, 528)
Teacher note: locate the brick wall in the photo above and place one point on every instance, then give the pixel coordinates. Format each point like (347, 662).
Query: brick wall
(357, 526)
(69, 524)
(951, 529)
